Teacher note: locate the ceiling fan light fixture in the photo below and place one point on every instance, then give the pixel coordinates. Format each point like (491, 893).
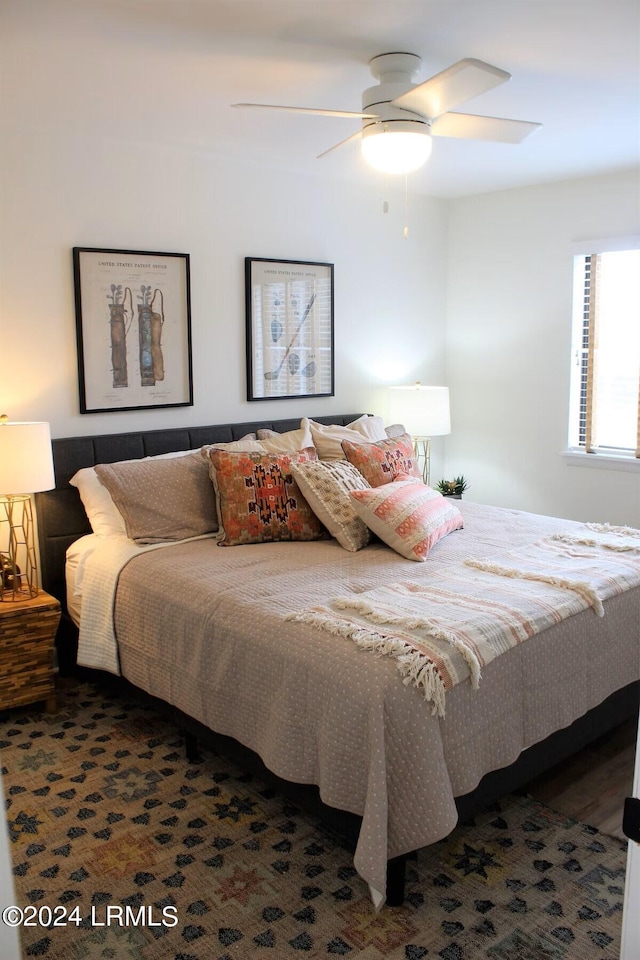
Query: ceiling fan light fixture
(392, 148)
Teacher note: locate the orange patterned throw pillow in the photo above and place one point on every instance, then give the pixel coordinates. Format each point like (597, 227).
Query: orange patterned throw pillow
(381, 462)
(407, 515)
(259, 499)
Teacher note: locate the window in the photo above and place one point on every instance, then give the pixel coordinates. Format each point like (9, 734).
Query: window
(605, 382)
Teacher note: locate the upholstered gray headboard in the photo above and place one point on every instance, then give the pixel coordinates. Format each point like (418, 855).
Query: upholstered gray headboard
(61, 516)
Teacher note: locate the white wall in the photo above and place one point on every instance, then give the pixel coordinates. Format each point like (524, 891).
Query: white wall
(503, 317)
(62, 191)
(508, 345)
(87, 159)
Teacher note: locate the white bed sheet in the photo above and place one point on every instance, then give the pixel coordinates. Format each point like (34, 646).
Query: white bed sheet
(76, 557)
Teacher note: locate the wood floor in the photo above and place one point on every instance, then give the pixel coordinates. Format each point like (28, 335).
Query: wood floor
(592, 785)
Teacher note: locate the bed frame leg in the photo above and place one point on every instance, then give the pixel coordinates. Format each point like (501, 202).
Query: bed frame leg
(191, 748)
(396, 869)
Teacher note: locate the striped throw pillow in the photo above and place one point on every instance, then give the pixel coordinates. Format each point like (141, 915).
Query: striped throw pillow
(407, 515)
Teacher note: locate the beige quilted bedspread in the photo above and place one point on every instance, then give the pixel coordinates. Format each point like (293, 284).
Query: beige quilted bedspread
(204, 628)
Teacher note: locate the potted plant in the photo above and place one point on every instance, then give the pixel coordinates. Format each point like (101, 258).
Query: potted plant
(452, 488)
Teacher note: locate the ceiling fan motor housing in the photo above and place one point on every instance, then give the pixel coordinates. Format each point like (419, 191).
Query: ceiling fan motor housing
(400, 67)
(395, 72)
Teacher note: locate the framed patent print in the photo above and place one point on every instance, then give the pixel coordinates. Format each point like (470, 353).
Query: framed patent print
(133, 329)
(289, 316)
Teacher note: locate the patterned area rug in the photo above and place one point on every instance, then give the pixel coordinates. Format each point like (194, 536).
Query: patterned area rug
(137, 853)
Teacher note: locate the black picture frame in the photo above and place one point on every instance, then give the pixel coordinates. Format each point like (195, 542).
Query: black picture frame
(290, 328)
(128, 358)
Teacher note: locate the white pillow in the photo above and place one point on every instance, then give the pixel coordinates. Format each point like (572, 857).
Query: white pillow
(104, 517)
(327, 438)
(372, 428)
(274, 442)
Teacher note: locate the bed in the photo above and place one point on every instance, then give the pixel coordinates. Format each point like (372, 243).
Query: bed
(227, 636)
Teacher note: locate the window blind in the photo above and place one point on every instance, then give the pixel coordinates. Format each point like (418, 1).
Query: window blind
(590, 344)
(609, 354)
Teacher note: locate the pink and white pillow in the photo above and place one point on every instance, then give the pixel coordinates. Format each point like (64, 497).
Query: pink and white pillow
(407, 515)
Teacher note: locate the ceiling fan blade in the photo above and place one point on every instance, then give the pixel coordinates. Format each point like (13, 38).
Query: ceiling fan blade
(470, 127)
(460, 82)
(322, 113)
(354, 136)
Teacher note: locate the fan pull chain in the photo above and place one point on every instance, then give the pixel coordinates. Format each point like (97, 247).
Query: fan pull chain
(385, 202)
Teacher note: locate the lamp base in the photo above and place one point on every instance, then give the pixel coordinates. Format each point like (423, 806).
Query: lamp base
(18, 567)
(422, 451)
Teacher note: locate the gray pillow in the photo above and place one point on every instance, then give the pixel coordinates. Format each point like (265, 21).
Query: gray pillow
(162, 499)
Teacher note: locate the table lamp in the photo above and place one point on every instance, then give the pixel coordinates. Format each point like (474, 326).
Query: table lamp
(26, 467)
(424, 413)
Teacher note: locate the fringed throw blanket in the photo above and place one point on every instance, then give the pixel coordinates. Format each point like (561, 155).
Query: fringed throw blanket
(447, 629)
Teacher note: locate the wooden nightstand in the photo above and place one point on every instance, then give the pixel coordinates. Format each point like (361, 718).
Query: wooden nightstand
(27, 633)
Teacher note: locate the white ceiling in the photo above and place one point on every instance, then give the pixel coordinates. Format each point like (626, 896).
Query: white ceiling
(168, 70)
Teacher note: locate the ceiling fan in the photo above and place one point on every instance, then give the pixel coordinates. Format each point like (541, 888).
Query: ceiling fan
(399, 117)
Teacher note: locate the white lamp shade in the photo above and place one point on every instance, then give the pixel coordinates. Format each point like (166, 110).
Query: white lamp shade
(26, 463)
(424, 411)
